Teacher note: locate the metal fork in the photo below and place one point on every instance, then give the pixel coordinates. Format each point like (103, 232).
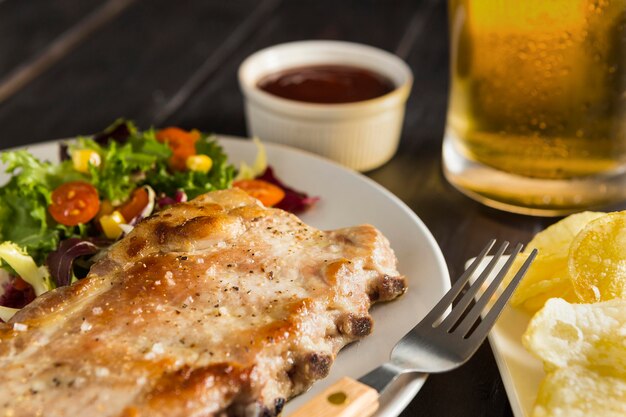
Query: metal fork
(439, 343)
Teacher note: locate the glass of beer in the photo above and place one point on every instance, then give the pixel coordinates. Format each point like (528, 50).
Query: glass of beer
(537, 114)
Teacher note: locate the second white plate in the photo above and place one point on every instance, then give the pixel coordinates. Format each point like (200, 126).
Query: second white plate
(521, 372)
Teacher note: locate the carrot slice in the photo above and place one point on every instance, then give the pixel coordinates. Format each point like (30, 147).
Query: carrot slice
(181, 142)
(138, 201)
(268, 194)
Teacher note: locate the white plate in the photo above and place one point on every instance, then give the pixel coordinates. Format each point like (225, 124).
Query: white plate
(347, 199)
(521, 372)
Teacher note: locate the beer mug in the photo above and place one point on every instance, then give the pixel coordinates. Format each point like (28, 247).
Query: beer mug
(537, 113)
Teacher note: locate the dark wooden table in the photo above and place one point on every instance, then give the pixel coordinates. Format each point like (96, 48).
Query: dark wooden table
(70, 67)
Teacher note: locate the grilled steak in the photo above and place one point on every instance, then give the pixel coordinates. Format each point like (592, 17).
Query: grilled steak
(215, 307)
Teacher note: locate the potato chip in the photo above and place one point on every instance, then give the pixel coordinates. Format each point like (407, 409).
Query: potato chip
(564, 334)
(583, 351)
(597, 259)
(556, 239)
(548, 276)
(580, 392)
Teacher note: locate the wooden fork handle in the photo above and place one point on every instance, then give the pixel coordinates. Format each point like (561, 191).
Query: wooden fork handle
(345, 398)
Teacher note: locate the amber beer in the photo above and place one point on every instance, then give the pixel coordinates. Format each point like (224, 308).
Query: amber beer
(537, 99)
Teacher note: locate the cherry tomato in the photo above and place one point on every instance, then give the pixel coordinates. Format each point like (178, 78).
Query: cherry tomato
(138, 201)
(269, 194)
(181, 142)
(74, 203)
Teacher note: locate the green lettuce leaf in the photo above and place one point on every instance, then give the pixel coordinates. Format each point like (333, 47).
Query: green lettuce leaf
(124, 167)
(194, 183)
(25, 267)
(24, 203)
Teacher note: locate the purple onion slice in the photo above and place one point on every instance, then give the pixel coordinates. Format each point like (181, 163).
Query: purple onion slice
(60, 261)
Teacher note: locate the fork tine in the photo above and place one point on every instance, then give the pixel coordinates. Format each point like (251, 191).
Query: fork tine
(487, 323)
(473, 314)
(461, 306)
(437, 311)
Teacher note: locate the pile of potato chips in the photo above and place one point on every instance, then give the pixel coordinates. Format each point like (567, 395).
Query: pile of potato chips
(578, 284)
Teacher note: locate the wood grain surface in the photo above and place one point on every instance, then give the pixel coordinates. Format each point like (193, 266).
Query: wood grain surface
(164, 62)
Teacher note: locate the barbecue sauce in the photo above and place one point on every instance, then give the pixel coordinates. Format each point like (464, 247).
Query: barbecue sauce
(327, 84)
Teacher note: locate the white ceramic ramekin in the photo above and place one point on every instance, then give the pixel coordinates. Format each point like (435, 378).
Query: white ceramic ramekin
(361, 135)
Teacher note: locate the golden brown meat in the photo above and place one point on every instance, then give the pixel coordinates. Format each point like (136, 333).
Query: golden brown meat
(215, 307)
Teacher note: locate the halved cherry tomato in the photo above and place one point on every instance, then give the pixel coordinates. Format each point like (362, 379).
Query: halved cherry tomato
(181, 142)
(74, 203)
(138, 201)
(269, 194)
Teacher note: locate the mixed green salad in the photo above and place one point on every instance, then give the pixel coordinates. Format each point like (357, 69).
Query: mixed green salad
(56, 219)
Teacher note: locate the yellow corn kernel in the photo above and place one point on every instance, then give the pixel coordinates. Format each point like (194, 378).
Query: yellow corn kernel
(110, 224)
(200, 163)
(81, 158)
